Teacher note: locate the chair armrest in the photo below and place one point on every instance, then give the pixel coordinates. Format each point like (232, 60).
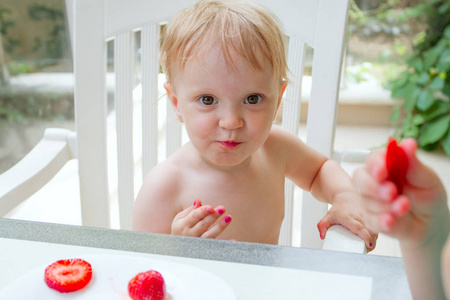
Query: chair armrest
(37, 168)
(339, 238)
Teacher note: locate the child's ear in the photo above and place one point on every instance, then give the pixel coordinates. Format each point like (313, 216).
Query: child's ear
(173, 99)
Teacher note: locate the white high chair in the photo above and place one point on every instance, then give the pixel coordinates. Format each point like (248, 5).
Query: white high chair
(319, 24)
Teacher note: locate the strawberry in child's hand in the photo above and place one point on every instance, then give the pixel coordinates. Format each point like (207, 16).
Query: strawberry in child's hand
(148, 285)
(68, 275)
(396, 164)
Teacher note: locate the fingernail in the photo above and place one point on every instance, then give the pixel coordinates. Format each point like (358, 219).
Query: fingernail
(195, 202)
(220, 210)
(370, 244)
(227, 219)
(210, 210)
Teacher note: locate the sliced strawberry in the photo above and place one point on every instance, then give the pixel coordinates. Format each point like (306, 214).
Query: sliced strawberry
(148, 285)
(68, 275)
(396, 164)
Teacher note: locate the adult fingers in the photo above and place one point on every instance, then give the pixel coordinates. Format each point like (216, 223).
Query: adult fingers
(372, 188)
(419, 175)
(376, 164)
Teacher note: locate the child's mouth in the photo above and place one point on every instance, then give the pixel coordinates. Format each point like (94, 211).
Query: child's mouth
(229, 144)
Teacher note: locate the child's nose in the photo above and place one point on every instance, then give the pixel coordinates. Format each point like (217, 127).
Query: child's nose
(231, 119)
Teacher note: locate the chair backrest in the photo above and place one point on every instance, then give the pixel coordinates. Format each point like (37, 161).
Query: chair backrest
(319, 24)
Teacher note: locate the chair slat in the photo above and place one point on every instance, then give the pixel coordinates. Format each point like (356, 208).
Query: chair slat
(124, 71)
(150, 70)
(322, 108)
(90, 112)
(291, 121)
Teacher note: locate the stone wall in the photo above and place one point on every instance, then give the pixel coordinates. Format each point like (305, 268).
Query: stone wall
(29, 32)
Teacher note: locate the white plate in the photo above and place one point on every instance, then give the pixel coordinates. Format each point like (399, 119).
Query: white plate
(110, 277)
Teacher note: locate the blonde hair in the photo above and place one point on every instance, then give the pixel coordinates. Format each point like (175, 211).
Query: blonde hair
(249, 29)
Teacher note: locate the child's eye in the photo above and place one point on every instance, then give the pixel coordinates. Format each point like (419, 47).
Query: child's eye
(253, 99)
(207, 100)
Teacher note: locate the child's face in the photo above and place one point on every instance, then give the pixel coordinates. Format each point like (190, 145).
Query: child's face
(228, 113)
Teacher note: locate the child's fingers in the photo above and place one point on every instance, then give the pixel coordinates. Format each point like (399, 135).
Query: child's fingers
(197, 216)
(188, 210)
(323, 226)
(217, 228)
(205, 223)
(368, 236)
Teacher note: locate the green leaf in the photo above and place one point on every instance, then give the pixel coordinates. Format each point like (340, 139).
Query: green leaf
(401, 81)
(424, 78)
(438, 108)
(430, 147)
(443, 64)
(418, 120)
(437, 83)
(425, 100)
(446, 90)
(447, 31)
(409, 130)
(432, 56)
(446, 143)
(411, 97)
(417, 64)
(444, 8)
(433, 131)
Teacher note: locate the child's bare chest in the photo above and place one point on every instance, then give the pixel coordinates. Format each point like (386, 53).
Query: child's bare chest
(254, 200)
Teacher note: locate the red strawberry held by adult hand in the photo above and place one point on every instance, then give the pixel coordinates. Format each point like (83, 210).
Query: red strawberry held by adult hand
(68, 275)
(396, 164)
(148, 285)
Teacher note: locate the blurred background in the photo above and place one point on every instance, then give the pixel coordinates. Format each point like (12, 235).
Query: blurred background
(396, 65)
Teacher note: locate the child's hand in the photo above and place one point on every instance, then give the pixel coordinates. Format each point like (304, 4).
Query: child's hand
(411, 216)
(200, 221)
(347, 211)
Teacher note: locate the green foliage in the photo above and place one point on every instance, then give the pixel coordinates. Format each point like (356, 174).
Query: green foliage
(6, 23)
(56, 43)
(425, 84)
(383, 19)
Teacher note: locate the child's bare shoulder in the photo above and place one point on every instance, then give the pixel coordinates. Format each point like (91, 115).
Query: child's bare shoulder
(281, 138)
(163, 181)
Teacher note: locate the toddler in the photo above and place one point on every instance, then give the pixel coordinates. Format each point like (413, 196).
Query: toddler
(226, 74)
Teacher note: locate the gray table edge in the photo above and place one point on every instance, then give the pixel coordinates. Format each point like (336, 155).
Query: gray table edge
(388, 274)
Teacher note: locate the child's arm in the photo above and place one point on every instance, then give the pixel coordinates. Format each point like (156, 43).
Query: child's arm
(419, 217)
(156, 209)
(327, 181)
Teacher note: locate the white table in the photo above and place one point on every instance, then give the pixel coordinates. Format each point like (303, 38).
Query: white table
(253, 271)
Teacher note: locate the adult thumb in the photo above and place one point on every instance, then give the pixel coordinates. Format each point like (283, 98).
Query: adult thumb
(418, 174)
